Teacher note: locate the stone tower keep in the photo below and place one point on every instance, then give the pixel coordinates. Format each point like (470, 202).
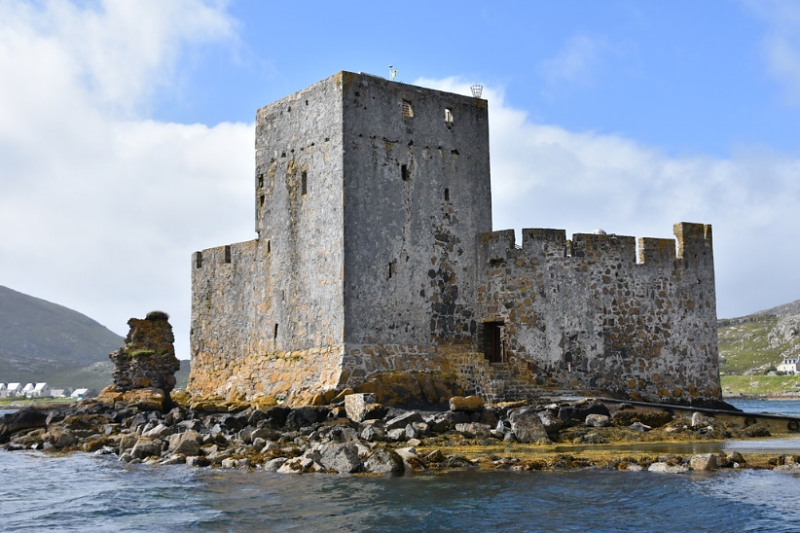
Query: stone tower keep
(369, 195)
(375, 253)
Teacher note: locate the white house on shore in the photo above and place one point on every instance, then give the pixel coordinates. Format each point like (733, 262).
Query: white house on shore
(789, 365)
(40, 390)
(3, 390)
(14, 389)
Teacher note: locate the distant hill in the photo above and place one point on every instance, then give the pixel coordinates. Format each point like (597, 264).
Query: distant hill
(756, 343)
(43, 341)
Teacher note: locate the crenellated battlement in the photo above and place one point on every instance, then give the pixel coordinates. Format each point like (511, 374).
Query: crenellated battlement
(693, 243)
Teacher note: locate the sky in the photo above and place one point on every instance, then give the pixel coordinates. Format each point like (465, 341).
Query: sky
(127, 128)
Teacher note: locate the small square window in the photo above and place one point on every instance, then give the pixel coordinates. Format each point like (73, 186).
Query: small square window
(448, 115)
(408, 111)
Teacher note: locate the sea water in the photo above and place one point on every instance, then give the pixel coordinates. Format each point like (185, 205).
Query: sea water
(90, 493)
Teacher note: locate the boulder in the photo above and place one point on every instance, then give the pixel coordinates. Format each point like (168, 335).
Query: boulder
(306, 416)
(24, 419)
(703, 461)
(551, 422)
(527, 427)
(699, 419)
(273, 465)
(401, 421)
(398, 434)
(383, 461)
(372, 434)
(363, 406)
(468, 404)
(597, 420)
(340, 457)
(186, 443)
(666, 468)
(60, 438)
(300, 465)
(160, 431)
(146, 447)
(473, 429)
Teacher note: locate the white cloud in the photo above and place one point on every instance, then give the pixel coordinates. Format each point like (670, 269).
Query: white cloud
(546, 176)
(781, 44)
(101, 208)
(577, 62)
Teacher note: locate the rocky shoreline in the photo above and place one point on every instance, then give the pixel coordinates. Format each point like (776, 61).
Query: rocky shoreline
(355, 435)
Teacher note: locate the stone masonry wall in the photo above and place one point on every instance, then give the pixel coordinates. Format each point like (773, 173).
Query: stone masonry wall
(583, 314)
(417, 190)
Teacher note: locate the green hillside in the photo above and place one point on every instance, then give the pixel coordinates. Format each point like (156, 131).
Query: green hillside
(43, 341)
(752, 347)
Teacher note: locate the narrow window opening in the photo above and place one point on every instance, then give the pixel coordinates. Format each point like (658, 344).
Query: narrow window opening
(261, 200)
(391, 269)
(306, 102)
(447, 195)
(260, 181)
(304, 182)
(404, 172)
(275, 332)
(198, 260)
(448, 116)
(227, 254)
(289, 109)
(269, 247)
(493, 341)
(408, 111)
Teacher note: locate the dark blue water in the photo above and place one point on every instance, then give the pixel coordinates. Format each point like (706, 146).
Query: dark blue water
(87, 493)
(93, 494)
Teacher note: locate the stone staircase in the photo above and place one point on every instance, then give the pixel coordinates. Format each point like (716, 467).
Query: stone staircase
(498, 382)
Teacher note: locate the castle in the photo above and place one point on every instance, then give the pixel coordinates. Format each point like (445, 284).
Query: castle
(375, 253)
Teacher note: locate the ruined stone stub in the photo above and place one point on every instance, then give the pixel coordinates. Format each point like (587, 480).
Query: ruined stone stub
(148, 357)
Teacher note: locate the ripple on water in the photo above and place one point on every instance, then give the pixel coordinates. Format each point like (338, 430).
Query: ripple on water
(92, 494)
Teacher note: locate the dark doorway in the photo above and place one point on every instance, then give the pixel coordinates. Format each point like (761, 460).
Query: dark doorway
(493, 341)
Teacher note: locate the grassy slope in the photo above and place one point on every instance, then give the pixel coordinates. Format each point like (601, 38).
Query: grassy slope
(753, 345)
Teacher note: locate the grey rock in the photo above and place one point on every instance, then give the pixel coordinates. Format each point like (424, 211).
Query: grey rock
(146, 447)
(274, 464)
(551, 422)
(703, 462)
(360, 407)
(598, 420)
(300, 465)
(160, 431)
(403, 420)
(383, 461)
(186, 443)
(397, 435)
(473, 429)
(342, 458)
(699, 419)
(372, 434)
(665, 468)
(638, 426)
(527, 427)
